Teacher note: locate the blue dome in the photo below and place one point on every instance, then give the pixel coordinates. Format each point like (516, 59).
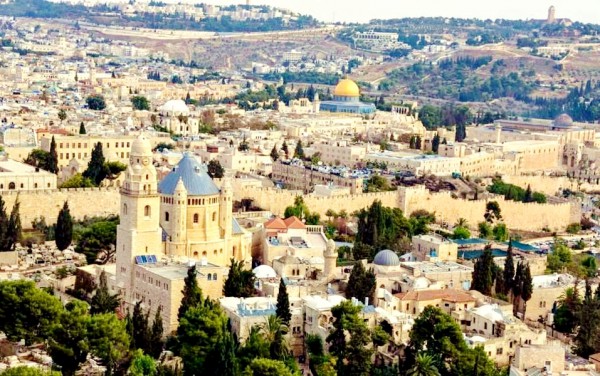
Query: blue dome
(194, 177)
(386, 258)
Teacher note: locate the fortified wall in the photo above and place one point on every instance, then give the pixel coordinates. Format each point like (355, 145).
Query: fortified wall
(82, 202)
(550, 185)
(524, 216)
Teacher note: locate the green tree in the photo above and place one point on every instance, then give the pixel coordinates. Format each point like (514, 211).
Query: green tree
(140, 103)
(96, 102)
(141, 333)
(64, 228)
(52, 161)
(483, 277)
(29, 371)
(560, 257)
(274, 154)
(239, 282)
(274, 330)
(350, 340)
(256, 346)
(508, 274)
(27, 312)
(142, 365)
(82, 128)
(96, 169)
(113, 169)
(299, 151)
(485, 230)
(103, 301)
(156, 342)
(587, 339)
(430, 116)
(215, 170)
(300, 210)
(68, 345)
(566, 315)
(267, 367)
(461, 233)
(573, 228)
(435, 143)
(77, 181)
(5, 246)
(62, 115)
(361, 284)
(192, 295)
(425, 365)
(283, 304)
(284, 148)
(500, 232)
(109, 340)
(13, 231)
(492, 212)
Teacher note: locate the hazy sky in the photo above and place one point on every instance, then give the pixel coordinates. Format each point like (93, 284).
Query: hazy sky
(364, 10)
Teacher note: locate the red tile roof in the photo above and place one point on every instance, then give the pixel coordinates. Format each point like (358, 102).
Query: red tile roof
(294, 223)
(275, 224)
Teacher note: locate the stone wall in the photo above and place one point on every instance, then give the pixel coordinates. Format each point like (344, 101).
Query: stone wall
(550, 185)
(82, 202)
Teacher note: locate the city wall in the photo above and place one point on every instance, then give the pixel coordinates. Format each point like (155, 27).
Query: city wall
(518, 215)
(550, 185)
(82, 202)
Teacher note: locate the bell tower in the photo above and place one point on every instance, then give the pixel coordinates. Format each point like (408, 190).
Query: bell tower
(138, 232)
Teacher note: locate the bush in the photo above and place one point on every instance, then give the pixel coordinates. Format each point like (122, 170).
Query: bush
(573, 228)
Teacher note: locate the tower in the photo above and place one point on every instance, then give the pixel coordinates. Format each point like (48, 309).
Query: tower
(92, 68)
(330, 256)
(498, 129)
(138, 232)
(226, 208)
(316, 103)
(551, 14)
(177, 243)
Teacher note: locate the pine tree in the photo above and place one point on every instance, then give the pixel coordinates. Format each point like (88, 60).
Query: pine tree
(157, 343)
(283, 304)
(361, 284)
(141, 333)
(103, 301)
(96, 169)
(82, 128)
(299, 151)
(192, 295)
(52, 162)
(64, 228)
(284, 148)
(508, 275)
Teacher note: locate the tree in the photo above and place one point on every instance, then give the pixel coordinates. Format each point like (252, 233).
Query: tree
(52, 161)
(350, 340)
(96, 169)
(215, 170)
(483, 278)
(361, 284)
(274, 154)
(29, 371)
(62, 115)
(156, 341)
(64, 228)
(299, 150)
(300, 210)
(141, 333)
(500, 232)
(82, 128)
(77, 181)
(528, 194)
(108, 340)
(485, 230)
(13, 231)
(284, 148)
(587, 339)
(96, 102)
(240, 282)
(140, 103)
(256, 346)
(113, 169)
(560, 257)
(192, 295)
(508, 274)
(435, 143)
(461, 233)
(142, 365)
(567, 310)
(492, 212)
(424, 366)
(103, 301)
(27, 312)
(68, 344)
(267, 367)
(283, 304)
(274, 331)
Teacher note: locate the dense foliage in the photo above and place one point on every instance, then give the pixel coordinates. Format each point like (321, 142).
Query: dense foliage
(516, 193)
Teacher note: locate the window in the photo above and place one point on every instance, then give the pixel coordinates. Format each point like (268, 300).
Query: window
(499, 351)
(214, 216)
(209, 277)
(196, 218)
(214, 276)
(204, 254)
(485, 325)
(147, 211)
(11, 185)
(166, 216)
(125, 209)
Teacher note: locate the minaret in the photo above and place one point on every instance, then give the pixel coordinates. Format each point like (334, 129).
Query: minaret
(138, 232)
(316, 104)
(551, 15)
(92, 68)
(330, 256)
(226, 208)
(177, 243)
(498, 129)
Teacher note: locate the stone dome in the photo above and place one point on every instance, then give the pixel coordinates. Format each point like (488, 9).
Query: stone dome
(563, 121)
(346, 88)
(175, 107)
(264, 271)
(386, 258)
(141, 146)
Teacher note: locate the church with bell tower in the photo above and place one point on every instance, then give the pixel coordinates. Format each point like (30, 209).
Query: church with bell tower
(167, 226)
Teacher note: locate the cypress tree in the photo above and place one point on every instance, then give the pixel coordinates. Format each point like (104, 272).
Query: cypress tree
(52, 163)
(509, 270)
(141, 333)
(96, 169)
(284, 148)
(274, 153)
(192, 295)
(526, 287)
(435, 143)
(13, 232)
(483, 278)
(528, 195)
(4, 244)
(283, 304)
(156, 335)
(64, 228)
(299, 151)
(82, 128)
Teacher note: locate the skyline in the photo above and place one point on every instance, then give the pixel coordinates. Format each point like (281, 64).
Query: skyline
(356, 11)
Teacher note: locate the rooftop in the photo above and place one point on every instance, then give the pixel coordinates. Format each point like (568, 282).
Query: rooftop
(194, 178)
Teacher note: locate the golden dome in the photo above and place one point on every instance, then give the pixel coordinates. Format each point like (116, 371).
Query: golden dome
(346, 88)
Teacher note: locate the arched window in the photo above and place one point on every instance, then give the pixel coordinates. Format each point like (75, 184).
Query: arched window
(147, 211)
(125, 209)
(204, 253)
(11, 185)
(196, 218)
(166, 216)
(196, 254)
(214, 276)
(215, 252)
(35, 185)
(147, 177)
(209, 277)
(214, 216)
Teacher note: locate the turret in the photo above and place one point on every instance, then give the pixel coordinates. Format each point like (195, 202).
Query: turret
(330, 256)
(316, 103)
(179, 223)
(226, 208)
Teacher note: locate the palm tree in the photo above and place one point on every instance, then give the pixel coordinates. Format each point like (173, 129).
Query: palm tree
(274, 331)
(462, 222)
(424, 366)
